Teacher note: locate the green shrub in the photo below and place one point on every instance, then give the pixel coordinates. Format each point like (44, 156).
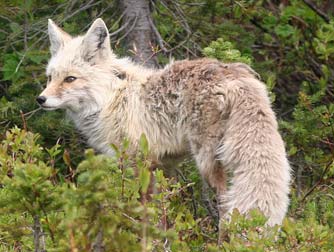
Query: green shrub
(104, 202)
(224, 50)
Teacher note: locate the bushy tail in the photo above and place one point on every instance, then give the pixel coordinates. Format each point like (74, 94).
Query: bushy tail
(253, 151)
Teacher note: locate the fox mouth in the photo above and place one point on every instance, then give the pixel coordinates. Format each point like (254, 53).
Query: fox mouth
(47, 107)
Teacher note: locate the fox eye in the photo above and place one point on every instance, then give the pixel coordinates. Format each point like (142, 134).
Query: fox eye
(70, 79)
(49, 78)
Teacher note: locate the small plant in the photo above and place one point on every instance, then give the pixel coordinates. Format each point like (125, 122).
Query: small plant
(225, 51)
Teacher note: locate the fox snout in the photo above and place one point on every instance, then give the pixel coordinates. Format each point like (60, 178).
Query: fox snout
(50, 100)
(41, 99)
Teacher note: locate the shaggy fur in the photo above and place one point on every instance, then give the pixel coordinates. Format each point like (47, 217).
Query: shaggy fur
(218, 112)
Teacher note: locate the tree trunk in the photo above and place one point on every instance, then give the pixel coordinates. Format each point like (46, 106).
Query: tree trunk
(139, 33)
(39, 239)
(98, 244)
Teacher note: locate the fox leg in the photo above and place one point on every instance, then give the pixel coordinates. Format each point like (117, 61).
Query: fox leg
(213, 172)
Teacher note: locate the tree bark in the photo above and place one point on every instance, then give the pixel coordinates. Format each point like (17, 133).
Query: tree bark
(139, 33)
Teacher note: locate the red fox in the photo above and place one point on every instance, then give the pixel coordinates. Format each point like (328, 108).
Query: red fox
(219, 113)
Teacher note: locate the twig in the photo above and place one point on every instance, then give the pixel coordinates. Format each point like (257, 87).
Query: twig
(23, 120)
(299, 180)
(182, 16)
(122, 168)
(50, 230)
(189, 51)
(317, 10)
(37, 234)
(19, 64)
(85, 7)
(98, 244)
(6, 18)
(193, 4)
(70, 6)
(31, 113)
(130, 218)
(120, 29)
(97, 16)
(179, 17)
(25, 29)
(208, 202)
(144, 224)
(130, 29)
(256, 24)
(208, 237)
(105, 10)
(190, 189)
(73, 246)
(180, 44)
(319, 181)
(43, 240)
(3, 31)
(150, 57)
(158, 36)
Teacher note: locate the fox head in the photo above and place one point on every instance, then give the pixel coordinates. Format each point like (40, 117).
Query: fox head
(78, 73)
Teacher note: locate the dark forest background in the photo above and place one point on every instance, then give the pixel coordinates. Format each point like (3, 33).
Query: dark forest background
(54, 196)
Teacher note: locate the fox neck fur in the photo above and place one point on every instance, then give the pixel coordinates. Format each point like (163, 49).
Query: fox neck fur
(110, 116)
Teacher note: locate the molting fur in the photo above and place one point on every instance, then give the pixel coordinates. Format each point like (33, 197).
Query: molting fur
(218, 112)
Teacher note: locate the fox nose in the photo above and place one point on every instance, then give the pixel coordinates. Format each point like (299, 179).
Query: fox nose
(41, 99)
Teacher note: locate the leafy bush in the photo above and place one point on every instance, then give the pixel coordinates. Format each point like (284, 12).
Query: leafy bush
(104, 203)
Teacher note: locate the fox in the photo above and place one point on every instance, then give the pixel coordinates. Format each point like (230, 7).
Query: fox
(220, 113)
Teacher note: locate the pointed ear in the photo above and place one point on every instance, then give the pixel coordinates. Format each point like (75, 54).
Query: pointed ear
(96, 42)
(57, 37)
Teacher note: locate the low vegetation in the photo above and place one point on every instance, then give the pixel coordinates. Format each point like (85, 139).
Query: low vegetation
(57, 196)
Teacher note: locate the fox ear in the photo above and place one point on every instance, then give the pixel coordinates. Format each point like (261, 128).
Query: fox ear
(57, 37)
(96, 42)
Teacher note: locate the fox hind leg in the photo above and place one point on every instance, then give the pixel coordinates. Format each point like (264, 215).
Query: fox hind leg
(213, 172)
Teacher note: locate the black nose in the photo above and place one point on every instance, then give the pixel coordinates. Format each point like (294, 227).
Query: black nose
(41, 99)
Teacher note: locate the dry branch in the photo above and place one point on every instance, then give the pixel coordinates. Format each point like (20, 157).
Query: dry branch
(317, 10)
